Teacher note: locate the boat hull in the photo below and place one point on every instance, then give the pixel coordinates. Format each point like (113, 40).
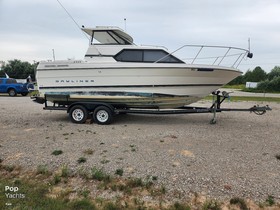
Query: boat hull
(141, 86)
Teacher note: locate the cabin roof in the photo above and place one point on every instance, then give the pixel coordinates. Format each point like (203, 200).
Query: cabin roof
(109, 35)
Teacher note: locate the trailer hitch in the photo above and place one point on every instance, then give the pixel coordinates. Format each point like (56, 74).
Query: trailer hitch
(218, 99)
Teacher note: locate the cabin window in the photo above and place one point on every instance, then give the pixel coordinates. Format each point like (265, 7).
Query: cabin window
(130, 56)
(11, 81)
(146, 56)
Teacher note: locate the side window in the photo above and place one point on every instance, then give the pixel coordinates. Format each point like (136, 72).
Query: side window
(146, 56)
(130, 56)
(153, 56)
(11, 81)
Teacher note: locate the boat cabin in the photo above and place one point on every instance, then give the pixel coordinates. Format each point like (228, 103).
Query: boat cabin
(113, 44)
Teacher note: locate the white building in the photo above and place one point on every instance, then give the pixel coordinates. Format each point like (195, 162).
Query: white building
(251, 84)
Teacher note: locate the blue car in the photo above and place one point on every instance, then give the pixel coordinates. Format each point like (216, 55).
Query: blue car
(12, 87)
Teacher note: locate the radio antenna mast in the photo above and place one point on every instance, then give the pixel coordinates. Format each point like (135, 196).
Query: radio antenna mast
(72, 18)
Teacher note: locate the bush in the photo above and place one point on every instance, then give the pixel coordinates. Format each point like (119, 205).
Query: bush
(270, 86)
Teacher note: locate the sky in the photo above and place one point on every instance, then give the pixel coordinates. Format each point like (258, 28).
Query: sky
(30, 30)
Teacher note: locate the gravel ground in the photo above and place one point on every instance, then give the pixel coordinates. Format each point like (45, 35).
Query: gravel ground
(235, 157)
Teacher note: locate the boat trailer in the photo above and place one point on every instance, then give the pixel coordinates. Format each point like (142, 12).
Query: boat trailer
(102, 113)
(218, 98)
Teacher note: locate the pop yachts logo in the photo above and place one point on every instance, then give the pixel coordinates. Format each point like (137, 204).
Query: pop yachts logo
(12, 192)
(74, 81)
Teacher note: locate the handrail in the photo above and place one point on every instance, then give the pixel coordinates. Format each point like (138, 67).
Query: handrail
(219, 58)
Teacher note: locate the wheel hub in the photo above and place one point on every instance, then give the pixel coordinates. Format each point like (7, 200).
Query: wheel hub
(78, 115)
(102, 116)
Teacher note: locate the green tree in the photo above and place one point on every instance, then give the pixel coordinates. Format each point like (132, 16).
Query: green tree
(237, 81)
(18, 69)
(257, 75)
(275, 72)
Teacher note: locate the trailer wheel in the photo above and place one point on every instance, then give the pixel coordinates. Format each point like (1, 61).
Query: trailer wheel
(78, 114)
(102, 115)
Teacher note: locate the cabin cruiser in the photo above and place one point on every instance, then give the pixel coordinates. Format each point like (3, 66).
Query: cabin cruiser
(117, 71)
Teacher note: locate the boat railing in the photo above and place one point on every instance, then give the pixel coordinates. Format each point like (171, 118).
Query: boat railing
(212, 55)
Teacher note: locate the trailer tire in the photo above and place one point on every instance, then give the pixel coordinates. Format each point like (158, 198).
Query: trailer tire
(78, 114)
(103, 115)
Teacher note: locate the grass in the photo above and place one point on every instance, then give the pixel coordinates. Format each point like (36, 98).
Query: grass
(242, 87)
(211, 205)
(43, 169)
(100, 175)
(239, 202)
(180, 206)
(40, 192)
(65, 172)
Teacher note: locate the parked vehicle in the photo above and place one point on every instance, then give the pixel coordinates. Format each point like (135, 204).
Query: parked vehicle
(12, 87)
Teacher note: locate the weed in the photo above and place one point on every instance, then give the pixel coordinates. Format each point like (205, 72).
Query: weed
(277, 156)
(270, 200)
(104, 161)
(88, 151)
(82, 160)
(42, 169)
(111, 206)
(211, 205)
(133, 183)
(83, 173)
(162, 189)
(240, 202)
(100, 175)
(85, 193)
(65, 171)
(17, 182)
(8, 168)
(133, 147)
(56, 179)
(154, 178)
(179, 206)
(119, 172)
(83, 204)
(57, 152)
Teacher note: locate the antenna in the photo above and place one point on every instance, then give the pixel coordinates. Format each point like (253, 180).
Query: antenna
(249, 55)
(124, 24)
(53, 54)
(72, 18)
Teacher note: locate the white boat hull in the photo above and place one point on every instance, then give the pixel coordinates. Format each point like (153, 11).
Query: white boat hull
(135, 85)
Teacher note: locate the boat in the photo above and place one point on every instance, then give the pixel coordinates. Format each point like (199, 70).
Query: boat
(117, 71)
